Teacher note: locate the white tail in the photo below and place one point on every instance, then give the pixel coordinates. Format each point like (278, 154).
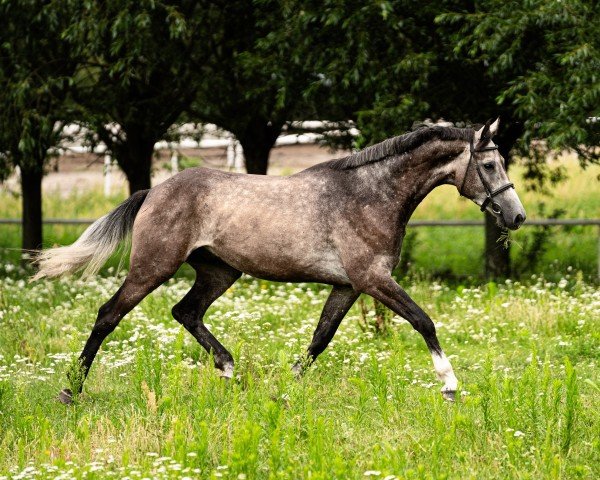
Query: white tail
(95, 245)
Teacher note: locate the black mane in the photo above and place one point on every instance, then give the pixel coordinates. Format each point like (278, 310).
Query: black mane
(399, 145)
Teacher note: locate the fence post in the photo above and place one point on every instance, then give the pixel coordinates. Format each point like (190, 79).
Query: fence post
(231, 153)
(174, 163)
(107, 175)
(239, 156)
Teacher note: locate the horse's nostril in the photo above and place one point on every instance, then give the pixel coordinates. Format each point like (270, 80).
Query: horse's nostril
(519, 219)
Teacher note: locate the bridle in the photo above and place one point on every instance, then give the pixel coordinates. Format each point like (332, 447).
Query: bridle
(489, 193)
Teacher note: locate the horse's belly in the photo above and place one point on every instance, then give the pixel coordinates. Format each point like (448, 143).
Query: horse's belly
(290, 266)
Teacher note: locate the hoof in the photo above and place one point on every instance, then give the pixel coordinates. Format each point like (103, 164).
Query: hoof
(297, 370)
(226, 372)
(449, 395)
(65, 396)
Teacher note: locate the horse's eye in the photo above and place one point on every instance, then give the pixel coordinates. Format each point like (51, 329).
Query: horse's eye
(488, 166)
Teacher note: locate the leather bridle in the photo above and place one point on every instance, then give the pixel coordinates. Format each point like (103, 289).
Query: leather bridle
(489, 193)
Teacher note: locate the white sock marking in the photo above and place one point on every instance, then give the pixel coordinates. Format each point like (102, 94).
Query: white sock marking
(227, 371)
(444, 372)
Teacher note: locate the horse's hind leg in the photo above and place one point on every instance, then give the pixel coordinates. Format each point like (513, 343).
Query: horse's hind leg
(138, 284)
(212, 280)
(337, 305)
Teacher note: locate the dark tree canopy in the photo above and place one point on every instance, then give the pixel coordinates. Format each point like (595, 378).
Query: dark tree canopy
(259, 79)
(141, 63)
(36, 76)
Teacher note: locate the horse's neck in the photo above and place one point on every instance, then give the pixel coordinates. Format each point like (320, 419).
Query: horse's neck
(410, 177)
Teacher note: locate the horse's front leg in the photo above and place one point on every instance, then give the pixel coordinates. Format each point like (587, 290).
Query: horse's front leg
(385, 289)
(337, 305)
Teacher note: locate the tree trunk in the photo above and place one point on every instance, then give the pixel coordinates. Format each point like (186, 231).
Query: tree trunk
(497, 256)
(31, 186)
(140, 177)
(257, 141)
(134, 156)
(256, 158)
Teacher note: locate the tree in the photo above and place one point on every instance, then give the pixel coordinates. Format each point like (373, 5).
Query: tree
(141, 64)
(539, 61)
(35, 80)
(258, 80)
(549, 54)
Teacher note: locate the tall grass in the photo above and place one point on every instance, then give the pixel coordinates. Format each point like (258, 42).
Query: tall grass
(153, 407)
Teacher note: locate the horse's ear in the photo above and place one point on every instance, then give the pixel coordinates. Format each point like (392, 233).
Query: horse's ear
(494, 127)
(485, 133)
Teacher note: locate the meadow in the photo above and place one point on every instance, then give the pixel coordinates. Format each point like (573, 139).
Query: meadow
(153, 407)
(526, 352)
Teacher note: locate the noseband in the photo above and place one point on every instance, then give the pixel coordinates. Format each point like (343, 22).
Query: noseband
(489, 193)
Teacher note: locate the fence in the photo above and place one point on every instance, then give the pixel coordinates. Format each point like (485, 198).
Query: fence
(412, 223)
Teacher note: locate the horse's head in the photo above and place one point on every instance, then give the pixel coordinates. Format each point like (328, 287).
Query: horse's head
(482, 178)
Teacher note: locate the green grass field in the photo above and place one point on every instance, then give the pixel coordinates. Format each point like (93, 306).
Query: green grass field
(153, 407)
(526, 352)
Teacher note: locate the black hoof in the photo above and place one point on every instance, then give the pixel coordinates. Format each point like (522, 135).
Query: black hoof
(65, 396)
(449, 395)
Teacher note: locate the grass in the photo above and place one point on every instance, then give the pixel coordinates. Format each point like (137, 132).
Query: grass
(153, 407)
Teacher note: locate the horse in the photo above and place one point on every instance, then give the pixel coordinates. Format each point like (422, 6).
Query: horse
(340, 223)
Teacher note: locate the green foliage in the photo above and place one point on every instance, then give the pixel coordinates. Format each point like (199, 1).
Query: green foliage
(258, 78)
(390, 63)
(371, 58)
(36, 71)
(140, 65)
(546, 56)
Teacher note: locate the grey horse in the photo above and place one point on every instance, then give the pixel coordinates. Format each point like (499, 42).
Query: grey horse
(340, 223)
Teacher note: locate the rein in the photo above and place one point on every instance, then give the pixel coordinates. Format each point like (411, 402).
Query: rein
(489, 193)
